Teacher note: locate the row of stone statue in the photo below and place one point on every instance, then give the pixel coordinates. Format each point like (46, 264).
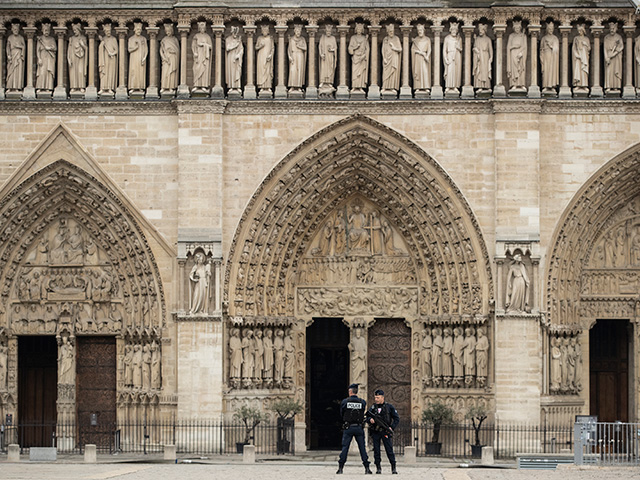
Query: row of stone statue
(565, 365)
(261, 358)
(455, 357)
(142, 366)
(422, 60)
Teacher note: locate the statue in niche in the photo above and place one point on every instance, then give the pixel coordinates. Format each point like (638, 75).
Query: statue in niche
(108, 61)
(146, 367)
(16, 49)
(137, 366)
(482, 357)
(202, 48)
(258, 351)
(613, 48)
(46, 49)
(550, 60)
(297, 52)
(421, 60)
(66, 361)
(358, 235)
(170, 56)
(452, 59)
(358, 348)
(264, 60)
(555, 371)
(77, 59)
(482, 60)
(517, 58)
(128, 365)
(359, 51)
(235, 357)
(199, 285)
(267, 367)
(458, 352)
(234, 55)
(580, 51)
(324, 248)
(447, 357)
(156, 373)
(427, 347)
(289, 359)
(469, 357)
(517, 300)
(138, 53)
(391, 57)
(328, 53)
(436, 356)
(278, 349)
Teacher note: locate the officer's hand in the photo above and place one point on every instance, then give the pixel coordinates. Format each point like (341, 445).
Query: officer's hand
(372, 420)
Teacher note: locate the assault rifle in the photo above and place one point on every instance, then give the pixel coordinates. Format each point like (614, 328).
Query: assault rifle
(380, 424)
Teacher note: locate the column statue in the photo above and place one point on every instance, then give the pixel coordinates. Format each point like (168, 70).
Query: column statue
(391, 58)
(436, 356)
(128, 365)
(517, 300)
(278, 361)
(297, 52)
(458, 352)
(447, 357)
(66, 362)
(234, 55)
(235, 357)
(267, 343)
(16, 50)
(248, 359)
(613, 48)
(137, 366)
(77, 59)
(452, 59)
(427, 346)
(550, 60)
(170, 56)
(328, 52)
(517, 58)
(258, 350)
(156, 366)
(359, 51)
(3, 366)
(146, 368)
(264, 60)
(108, 61)
(202, 48)
(580, 51)
(358, 349)
(199, 285)
(469, 356)
(555, 370)
(289, 359)
(138, 53)
(482, 60)
(421, 60)
(482, 357)
(46, 54)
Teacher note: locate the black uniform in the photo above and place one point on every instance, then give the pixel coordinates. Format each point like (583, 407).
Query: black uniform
(352, 411)
(390, 416)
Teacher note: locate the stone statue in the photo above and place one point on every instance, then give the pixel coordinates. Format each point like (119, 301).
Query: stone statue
(42, 251)
(258, 351)
(128, 365)
(517, 300)
(137, 366)
(387, 236)
(436, 356)
(359, 51)
(278, 349)
(571, 365)
(391, 57)
(264, 60)
(550, 60)
(325, 245)
(427, 346)
(358, 235)
(452, 59)
(447, 356)
(146, 368)
(66, 363)
(16, 49)
(199, 285)
(75, 246)
(421, 60)
(458, 352)
(613, 48)
(482, 357)
(202, 48)
(340, 236)
(138, 53)
(3, 366)
(482, 59)
(267, 343)
(234, 55)
(108, 61)
(235, 357)
(156, 367)
(636, 56)
(170, 56)
(377, 238)
(577, 350)
(297, 52)
(248, 359)
(469, 356)
(580, 51)
(46, 53)
(562, 345)
(517, 58)
(289, 359)
(358, 349)
(328, 53)
(77, 59)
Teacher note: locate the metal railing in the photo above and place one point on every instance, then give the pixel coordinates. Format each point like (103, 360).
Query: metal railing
(607, 443)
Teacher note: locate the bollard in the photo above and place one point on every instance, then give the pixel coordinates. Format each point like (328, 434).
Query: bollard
(90, 455)
(249, 454)
(487, 456)
(409, 454)
(170, 452)
(13, 453)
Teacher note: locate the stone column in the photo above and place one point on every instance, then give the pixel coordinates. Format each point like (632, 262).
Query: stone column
(152, 89)
(281, 86)
(183, 88)
(121, 91)
(534, 88)
(628, 91)
(66, 400)
(91, 92)
(467, 88)
(218, 91)
(565, 63)
(3, 30)
(596, 88)
(60, 92)
(405, 89)
(29, 92)
(436, 89)
(374, 87)
(250, 87)
(311, 92)
(499, 89)
(342, 92)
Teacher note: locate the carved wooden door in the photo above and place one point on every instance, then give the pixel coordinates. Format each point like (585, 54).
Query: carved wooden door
(96, 390)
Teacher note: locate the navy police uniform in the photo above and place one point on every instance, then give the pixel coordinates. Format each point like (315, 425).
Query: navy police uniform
(390, 416)
(352, 411)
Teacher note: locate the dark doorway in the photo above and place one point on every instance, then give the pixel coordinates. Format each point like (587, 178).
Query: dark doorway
(37, 390)
(327, 381)
(609, 370)
(96, 390)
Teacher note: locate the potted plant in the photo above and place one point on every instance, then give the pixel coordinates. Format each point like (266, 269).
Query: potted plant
(285, 409)
(250, 417)
(437, 413)
(477, 415)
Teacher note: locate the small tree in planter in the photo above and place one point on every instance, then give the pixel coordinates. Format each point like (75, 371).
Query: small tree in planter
(477, 415)
(437, 414)
(251, 418)
(285, 409)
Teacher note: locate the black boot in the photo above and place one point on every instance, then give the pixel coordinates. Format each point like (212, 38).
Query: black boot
(393, 469)
(378, 469)
(340, 466)
(367, 470)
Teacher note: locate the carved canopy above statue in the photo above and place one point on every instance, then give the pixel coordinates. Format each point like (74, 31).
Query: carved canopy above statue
(357, 204)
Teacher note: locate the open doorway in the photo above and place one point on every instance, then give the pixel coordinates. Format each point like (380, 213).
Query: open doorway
(327, 381)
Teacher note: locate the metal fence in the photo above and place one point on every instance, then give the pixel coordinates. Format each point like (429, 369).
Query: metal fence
(605, 443)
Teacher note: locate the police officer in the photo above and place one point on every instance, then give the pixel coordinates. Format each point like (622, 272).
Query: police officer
(388, 418)
(352, 411)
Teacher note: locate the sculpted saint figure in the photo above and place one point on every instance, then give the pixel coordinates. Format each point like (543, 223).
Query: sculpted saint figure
(436, 355)
(248, 359)
(297, 52)
(170, 56)
(482, 357)
(469, 357)
(235, 354)
(264, 60)
(359, 51)
(258, 351)
(3, 366)
(421, 60)
(358, 235)
(128, 365)
(146, 367)
(77, 59)
(156, 373)
(452, 59)
(549, 59)
(138, 53)
(137, 366)
(328, 51)
(613, 48)
(517, 57)
(278, 361)
(458, 352)
(202, 48)
(66, 357)
(482, 59)
(108, 60)
(268, 357)
(234, 54)
(517, 286)
(427, 346)
(580, 52)
(289, 359)
(358, 349)
(447, 356)
(16, 49)
(556, 373)
(46, 53)
(391, 53)
(199, 285)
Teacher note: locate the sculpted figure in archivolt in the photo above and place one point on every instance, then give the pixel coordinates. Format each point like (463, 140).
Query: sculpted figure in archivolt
(517, 286)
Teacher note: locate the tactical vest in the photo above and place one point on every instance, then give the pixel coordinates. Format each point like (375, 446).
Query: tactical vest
(354, 411)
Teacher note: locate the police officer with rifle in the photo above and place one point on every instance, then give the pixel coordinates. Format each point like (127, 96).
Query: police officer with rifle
(383, 419)
(352, 410)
